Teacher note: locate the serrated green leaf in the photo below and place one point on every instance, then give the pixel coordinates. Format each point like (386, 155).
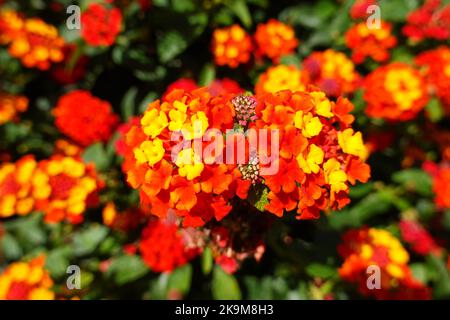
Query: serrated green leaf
(207, 260)
(87, 240)
(128, 103)
(170, 45)
(57, 261)
(97, 154)
(127, 268)
(240, 9)
(320, 270)
(224, 286)
(434, 110)
(207, 75)
(262, 200)
(442, 281)
(180, 279)
(415, 180)
(10, 248)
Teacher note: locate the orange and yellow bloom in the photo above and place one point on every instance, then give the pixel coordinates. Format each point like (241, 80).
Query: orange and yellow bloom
(11, 106)
(231, 46)
(281, 77)
(367, 247)
(332, 72)
(395, 92)
(67, 188)
(26, 281)
(368, 42)
(18, 190)
(317, 162)
(275, 39)
(36, 43)
(194, 187)
(435, 65)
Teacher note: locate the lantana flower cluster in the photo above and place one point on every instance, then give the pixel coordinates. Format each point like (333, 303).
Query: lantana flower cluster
(232, 46)
(84, 118)
(430, 21)
(281, 77)
(101, 24)
(11, 106)
(36, 43)
(436, 69)
(60, 187)
(396, 92)
(164, 247)
(332, 72)
(26, 281)
(196, 190)
(275, 39)
(368, 42)
(320, 154)
(365, 247)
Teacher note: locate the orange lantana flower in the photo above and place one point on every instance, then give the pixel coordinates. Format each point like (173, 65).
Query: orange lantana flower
(275, 39)
(395, 92)
(368, 42)
(231, 46)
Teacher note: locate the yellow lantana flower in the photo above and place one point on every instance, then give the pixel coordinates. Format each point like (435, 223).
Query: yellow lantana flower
(150, 152)
(334, 175)
(153, 122)
(322, 104)
(197, 128)
(352, 143)
(310, 126)
(312, 161)
(189, 164)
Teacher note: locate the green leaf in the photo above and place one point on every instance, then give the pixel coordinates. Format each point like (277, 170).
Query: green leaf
(402, 54)
(207, 260)
(291, 60)
(128, 103)
(397, 10)
(86, 241)
(207, 74)
(415, 180)
(97, 154)
(262, 200)
(368, 207)
(434, 110)
(28, 231)
(152, 96)
(442, 281)
(361, 190)
(183, 6)
(224, 285)
(127, 268)
(158, 287)
(57, 261)
(10, 248)
(180, 279)
(170, 45)
(240, 9)
(419, 271)
(320, 270)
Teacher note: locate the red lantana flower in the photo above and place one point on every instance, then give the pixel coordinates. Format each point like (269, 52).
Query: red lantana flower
(84, 118)
(100, 24)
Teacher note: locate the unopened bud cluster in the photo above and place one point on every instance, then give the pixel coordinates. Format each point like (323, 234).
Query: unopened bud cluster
(245, 107)
(250, 171)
